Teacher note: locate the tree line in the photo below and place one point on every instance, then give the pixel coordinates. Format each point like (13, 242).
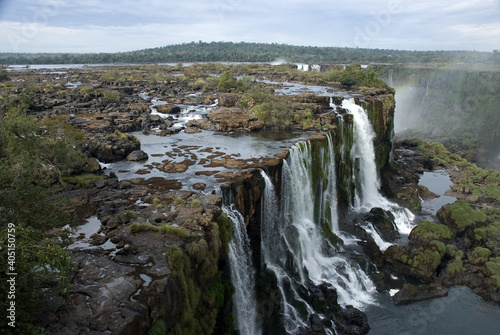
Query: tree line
(252, 52)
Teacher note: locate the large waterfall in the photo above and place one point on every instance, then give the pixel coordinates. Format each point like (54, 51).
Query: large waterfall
(367, 190)
(301, 244)
(294, 246)
(242, 272)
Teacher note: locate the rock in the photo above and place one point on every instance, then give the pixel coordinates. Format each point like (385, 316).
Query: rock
(192, 130)
(383, 221)
(418, 261)
(352, 321)
(203, 124)
(137, 155)
(411, 293)
(228, 99)
(168, 109)
(199, 186)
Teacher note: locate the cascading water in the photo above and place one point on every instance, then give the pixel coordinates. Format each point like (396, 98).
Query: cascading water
(242, 273)
(293, 244)
(367, 191)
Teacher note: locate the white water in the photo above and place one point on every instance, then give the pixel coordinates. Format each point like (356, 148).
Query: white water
(367, 194)
(242, 275)
(292, 228)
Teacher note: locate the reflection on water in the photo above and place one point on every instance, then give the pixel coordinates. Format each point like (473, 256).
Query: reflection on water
(438, 182)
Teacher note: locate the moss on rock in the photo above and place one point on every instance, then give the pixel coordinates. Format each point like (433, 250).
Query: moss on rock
(428, 231)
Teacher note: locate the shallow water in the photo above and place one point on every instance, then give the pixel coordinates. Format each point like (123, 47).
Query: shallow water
(438, 182)
(199, 147)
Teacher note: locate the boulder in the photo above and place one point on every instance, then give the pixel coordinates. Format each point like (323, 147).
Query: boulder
(352, 321)
(411, 293)
(168, 109)
(383, 221)
(137, 155)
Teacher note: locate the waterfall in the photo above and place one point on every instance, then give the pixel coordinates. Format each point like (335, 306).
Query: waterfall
(367, 191)
(242, 273)
(293, 244)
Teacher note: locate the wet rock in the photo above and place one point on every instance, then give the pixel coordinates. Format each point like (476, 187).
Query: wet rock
(352, 321)
(192, 130)
(137, 155)
(168, 109)
(199, 186)
(411, 293)
(383, 221)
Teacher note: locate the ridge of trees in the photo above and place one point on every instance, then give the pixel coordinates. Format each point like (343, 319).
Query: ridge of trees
(252, 52)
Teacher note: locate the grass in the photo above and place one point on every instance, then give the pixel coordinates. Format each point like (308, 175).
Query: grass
(82, 181)
(165, 229)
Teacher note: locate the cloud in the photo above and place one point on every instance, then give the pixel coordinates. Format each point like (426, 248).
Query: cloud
(101, 26)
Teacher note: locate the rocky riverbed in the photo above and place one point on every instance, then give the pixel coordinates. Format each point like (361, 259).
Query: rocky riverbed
(161, 140)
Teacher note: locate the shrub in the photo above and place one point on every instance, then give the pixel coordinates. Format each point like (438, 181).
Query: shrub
(196, 203)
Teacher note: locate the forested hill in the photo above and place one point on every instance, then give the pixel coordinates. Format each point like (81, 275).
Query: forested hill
(253, 52)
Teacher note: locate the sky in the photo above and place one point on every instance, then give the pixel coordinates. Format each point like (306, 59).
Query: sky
(82, 26)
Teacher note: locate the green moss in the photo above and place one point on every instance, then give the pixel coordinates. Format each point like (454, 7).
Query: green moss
(131, 214)
(461, 216)
(225, 231)
(203, 287)
(428, 231)
(439, 247)
(158, 328)
(83, 181)
(454, 266)
(479, 256)
(493, 267)
(453, 252)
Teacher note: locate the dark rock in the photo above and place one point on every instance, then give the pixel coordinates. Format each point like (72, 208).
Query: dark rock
(383, 221)
(411, 293)
(137, 155)
(352, 321)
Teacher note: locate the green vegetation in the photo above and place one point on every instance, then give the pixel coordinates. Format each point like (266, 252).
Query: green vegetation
(454, 266)
(428, 231)
(178, 201)
(461, 215)
(479, 256)
(203, 286)
(83, 181)
(165, 229)
(493, 266)
(34, 157)
(124, 137)
(158, 328)
(196, 203)
(253, 52)
(4, 75)
(228, 83)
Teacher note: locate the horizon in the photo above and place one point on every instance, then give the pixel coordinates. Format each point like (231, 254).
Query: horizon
(244, 42)
(61, 26)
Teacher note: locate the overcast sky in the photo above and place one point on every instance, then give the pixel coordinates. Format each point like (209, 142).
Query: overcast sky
(125, 25)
